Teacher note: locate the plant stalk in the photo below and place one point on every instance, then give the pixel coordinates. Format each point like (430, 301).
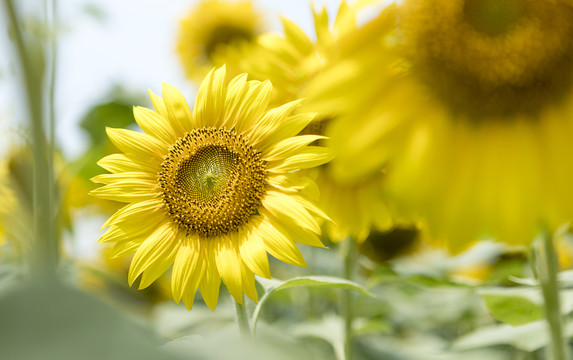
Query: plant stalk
(548, 270)
(348, 298)
(44, 249)
(242, 318)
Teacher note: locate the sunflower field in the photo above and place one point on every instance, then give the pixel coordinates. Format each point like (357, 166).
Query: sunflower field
(257, 179)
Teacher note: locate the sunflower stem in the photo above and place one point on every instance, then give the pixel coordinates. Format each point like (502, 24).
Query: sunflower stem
(44, 249)
(348, 297)
(547, 266)
(242, 318)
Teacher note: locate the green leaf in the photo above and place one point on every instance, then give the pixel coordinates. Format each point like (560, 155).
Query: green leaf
(330, 329)
(529, 337)
(272, 286)
(514, 310)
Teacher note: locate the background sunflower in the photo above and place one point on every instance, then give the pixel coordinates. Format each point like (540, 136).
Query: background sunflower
(482, 150)
(215, 33)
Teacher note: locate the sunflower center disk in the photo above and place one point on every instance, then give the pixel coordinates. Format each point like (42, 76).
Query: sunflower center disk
(493, 17)
(492, 58)
(206, 174)
(225, 35)
(213, 181)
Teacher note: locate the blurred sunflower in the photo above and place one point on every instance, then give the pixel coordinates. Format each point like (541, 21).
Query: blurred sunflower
(211, 192)
(469, 104)
(290, 61)
(17, 196)
(10, 203)
(216, 33)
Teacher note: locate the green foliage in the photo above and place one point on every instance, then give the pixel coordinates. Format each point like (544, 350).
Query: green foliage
(514, 306)
(272, 286)
(49, 320)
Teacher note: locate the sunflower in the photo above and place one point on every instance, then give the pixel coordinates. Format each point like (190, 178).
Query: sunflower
(216, 33)
(469, 104)
(211, 192)
(16, 217)
(290, 61)
(8, 199)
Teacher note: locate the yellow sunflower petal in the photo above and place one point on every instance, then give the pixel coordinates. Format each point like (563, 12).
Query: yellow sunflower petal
(321, 27)
(271, 121)
(248, 283)
(188, 269)
(134, 211)
(125, 247)
(116, 163)
(312, 207)
(229, 265)
(299, 234)
(310, 157)
(254, 253)
(210, 104)
(138, 144)
(297, 36)
(280, 204)
(158, 104)
(179, 113)
(290, 146)
(279, 246)
(127, 191)
(287, 127)
(158, 268)
(211, 281)
(141, 227)
(107, 179)
(238, 89)
(154, 124)
(158, 246)
(252, 105)
(346, 18)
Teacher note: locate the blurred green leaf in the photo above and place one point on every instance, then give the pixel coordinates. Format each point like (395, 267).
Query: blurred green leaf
(330, 329)
(113, 114)
(521, 305)
(272, 286)
(49, 320)
(96, 12)
(528, 337)
(228, 343)
(513, 309)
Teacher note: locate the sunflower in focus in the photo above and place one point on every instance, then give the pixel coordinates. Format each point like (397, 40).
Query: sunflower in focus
(290, 62)
(469, 105)
(216, 33)
(212, 191)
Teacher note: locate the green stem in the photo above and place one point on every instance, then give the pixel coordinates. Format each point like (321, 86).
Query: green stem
(44, 250)
(548, 277)
(242, 318)
(348, 298)
(51, 17)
